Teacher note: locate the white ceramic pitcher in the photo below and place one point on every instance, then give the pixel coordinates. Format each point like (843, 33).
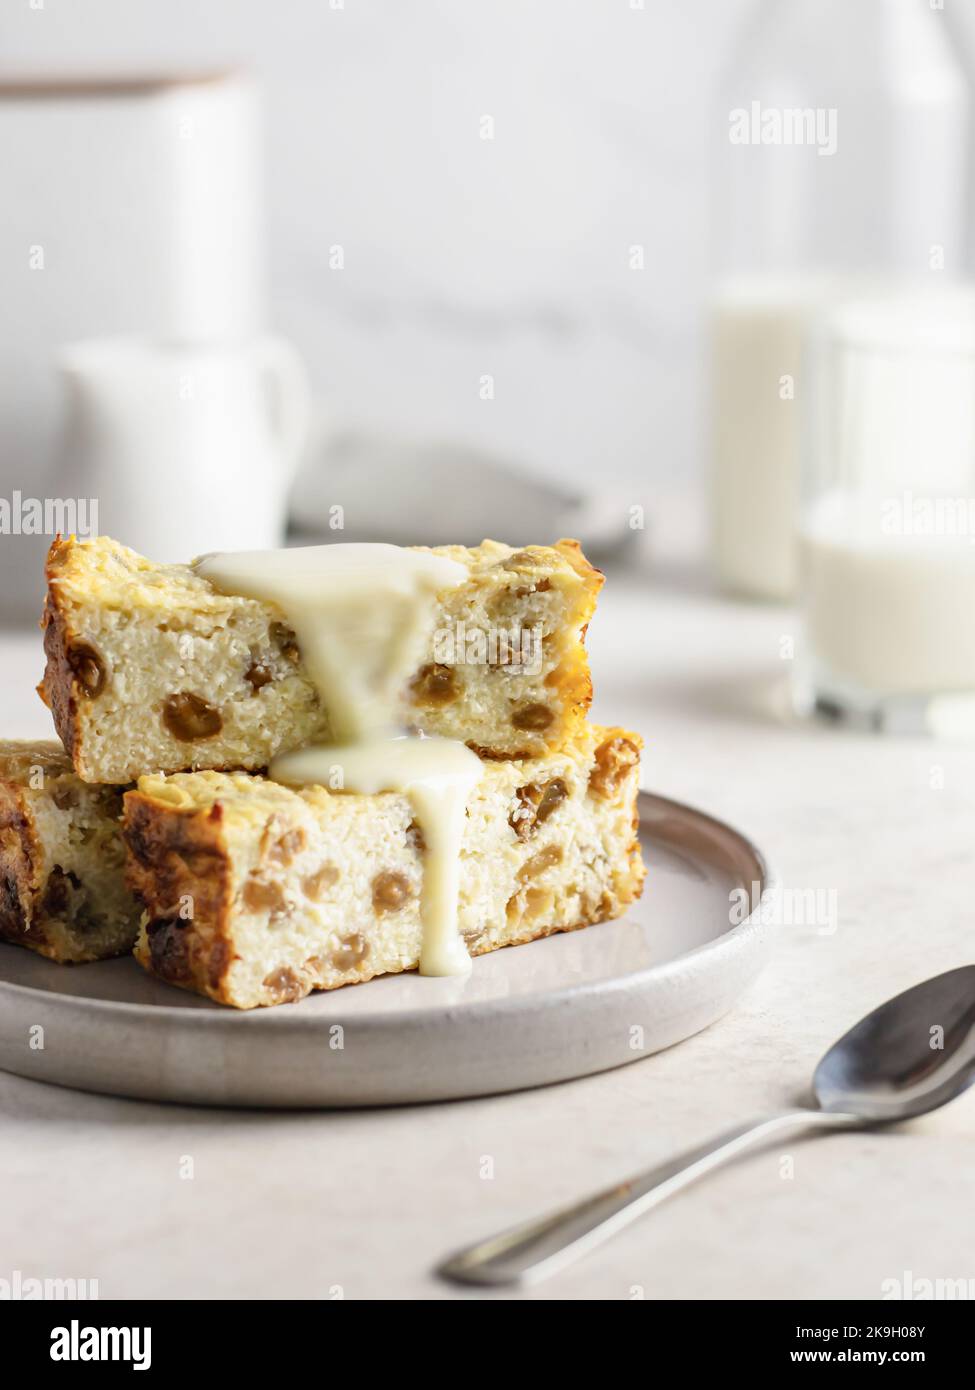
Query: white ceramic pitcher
(186, 448)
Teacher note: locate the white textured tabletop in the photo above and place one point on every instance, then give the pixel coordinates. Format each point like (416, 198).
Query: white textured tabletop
(361, 1204)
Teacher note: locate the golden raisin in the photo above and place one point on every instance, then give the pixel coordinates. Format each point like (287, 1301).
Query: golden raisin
(542, 586)
(533, 718)
(554, 794)
(414, 837)
(538, 904)
(519, 560)
(189, 717)
(263, 895)
(614, 759)
(544, 859)
(258, 674)
(87, 668)
(317, 884)
(435, 685)
(522, 818)
(284, 985)
(350, 952)
(528, 906)
(286, 641)
(169, 950)
(284, 849)
(64, 796)
(535, 804)
(390, 890)
(56, 893)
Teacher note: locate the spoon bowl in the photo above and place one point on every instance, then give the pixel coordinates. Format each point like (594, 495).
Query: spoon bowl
(911, 1055)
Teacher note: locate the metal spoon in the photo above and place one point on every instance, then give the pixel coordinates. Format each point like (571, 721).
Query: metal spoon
(912, 1055)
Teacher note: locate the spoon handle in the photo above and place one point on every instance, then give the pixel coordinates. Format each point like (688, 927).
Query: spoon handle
(525, 1254)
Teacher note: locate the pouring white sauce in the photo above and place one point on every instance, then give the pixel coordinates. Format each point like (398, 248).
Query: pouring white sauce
(437, 775)
(363, 616)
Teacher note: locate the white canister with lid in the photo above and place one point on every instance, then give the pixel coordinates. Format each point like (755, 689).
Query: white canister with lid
(131, 205)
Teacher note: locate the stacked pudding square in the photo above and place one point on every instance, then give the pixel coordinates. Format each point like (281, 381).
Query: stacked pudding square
(332, 764)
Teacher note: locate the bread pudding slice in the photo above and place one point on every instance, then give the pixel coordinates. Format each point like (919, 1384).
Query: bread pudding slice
(257, 894)
(62, 880)
(152, 667)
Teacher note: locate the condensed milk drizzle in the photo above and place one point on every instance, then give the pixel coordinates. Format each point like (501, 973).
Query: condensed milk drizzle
(364, 616)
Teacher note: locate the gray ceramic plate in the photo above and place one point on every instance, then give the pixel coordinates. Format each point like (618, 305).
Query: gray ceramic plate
(555, 1009)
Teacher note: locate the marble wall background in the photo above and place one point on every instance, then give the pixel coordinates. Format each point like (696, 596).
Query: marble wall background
(465, 256)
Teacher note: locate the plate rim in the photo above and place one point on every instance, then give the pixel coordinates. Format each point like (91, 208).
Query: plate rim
(751, 928)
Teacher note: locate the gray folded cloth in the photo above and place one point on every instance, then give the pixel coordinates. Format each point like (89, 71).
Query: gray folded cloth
(353, 488)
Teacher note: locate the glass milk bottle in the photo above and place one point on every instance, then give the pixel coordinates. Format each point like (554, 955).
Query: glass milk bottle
(842, 161)
(887, 521)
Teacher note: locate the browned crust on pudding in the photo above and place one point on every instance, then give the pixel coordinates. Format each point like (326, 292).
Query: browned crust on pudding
(56, 688)
(179, 869)
(19, 921)
(250, 901)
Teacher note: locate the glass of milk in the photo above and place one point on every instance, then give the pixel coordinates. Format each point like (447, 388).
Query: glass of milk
(887, 515)
(842, 139)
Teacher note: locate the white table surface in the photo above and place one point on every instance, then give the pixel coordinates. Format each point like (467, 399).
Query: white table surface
(361, 1204)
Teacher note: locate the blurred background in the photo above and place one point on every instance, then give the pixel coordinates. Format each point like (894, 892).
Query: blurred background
(426, 271)
(403, 254)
